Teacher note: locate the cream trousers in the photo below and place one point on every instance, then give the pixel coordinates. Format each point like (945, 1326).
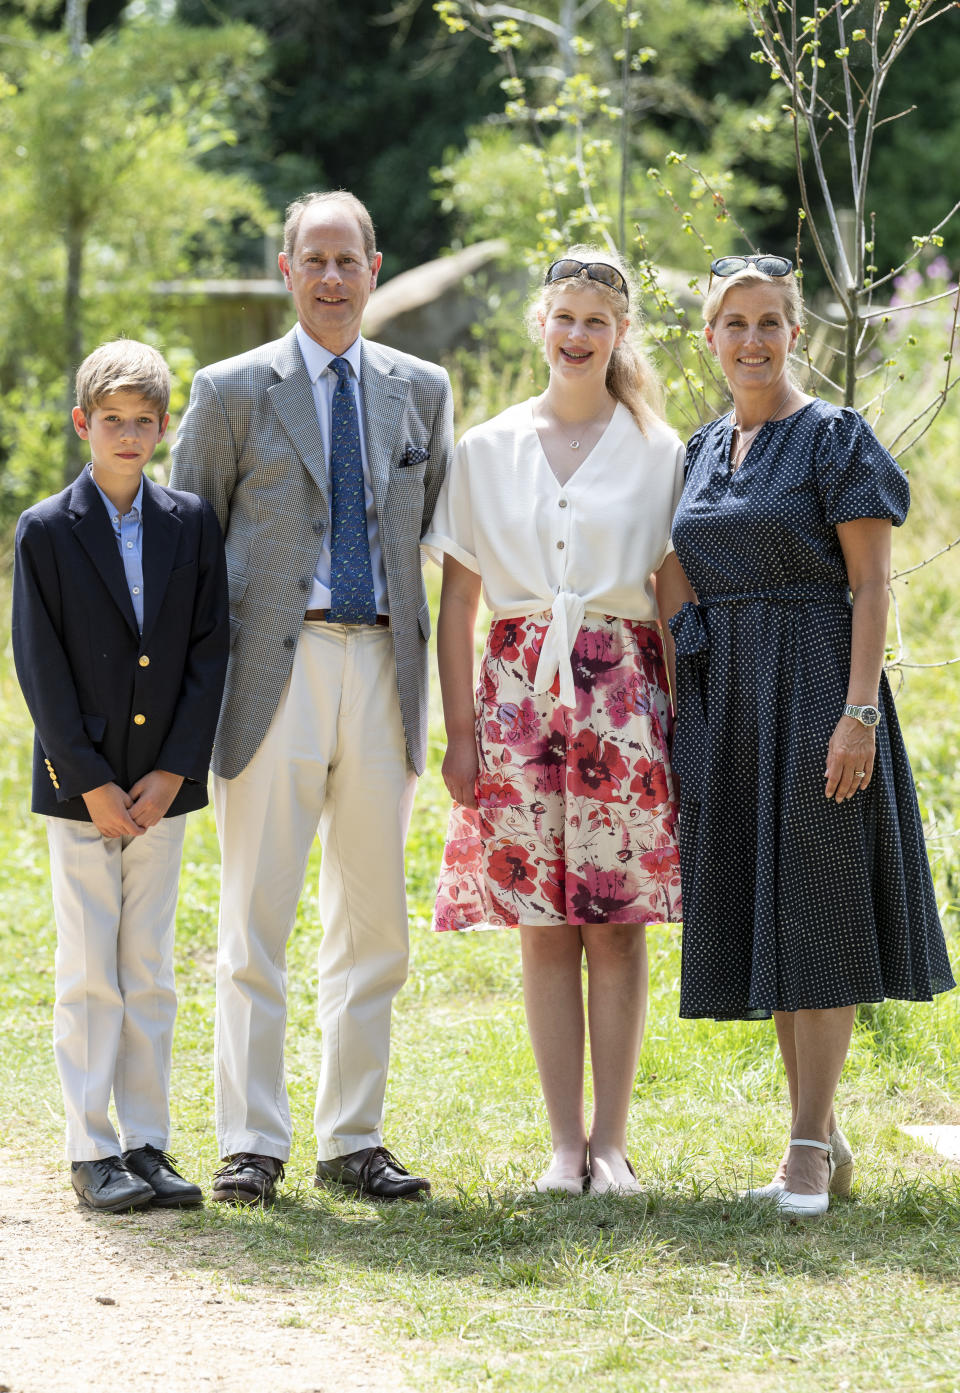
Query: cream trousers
(333, 763)
(114, 900)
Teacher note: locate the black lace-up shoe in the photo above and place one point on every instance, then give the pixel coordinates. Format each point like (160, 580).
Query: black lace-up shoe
(109, 1185)
(373, 1172)
(170, 1190)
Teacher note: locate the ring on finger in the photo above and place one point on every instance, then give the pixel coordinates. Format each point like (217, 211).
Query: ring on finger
(859, 773)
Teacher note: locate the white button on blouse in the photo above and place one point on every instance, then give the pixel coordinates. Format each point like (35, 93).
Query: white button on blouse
(497, 515)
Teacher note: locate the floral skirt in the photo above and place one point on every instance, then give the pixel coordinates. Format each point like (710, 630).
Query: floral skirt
(577, 811)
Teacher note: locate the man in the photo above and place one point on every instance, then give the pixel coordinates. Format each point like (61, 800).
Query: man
(323, 455)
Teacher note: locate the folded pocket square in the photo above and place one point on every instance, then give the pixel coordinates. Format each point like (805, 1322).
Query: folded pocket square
(414, 454)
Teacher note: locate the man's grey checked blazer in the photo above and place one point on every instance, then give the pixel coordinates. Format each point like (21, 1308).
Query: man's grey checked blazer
(250, 443)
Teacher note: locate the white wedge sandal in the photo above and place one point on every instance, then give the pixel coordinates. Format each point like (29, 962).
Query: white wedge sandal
(840, 1181)
(794, 1206)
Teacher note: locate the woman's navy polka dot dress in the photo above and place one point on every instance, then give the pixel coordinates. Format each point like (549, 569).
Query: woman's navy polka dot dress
(790, 901)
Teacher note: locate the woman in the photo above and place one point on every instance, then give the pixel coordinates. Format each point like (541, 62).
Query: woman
(806, 886)
(564, 815)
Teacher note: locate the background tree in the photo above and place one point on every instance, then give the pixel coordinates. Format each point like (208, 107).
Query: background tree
(368, 98)
(597, 91)
(835, 65)
(103, 147)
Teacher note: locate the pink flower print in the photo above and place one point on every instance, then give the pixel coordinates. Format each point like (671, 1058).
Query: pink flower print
(595, 896)
(594, 648)
(651, 661)
(547, 764)
(552, 878)
(510, 867)
(486, 689)
(597, 767)
(493, 733)
(462, 851)
(649, 783)
(532, 648)
(496, 791)
(624, 702)
(505, 641)
(519, 724)
(663, 862)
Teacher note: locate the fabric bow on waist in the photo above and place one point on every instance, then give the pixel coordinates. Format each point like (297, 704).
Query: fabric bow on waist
(567, 616)
(689, 631)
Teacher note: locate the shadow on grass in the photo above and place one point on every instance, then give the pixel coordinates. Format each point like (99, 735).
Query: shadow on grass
(495, 1242)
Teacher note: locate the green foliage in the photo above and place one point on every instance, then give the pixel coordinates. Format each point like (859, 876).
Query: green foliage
(364, 97)
(693, 178)
(832, 69)
(106, 153)
(591, 102)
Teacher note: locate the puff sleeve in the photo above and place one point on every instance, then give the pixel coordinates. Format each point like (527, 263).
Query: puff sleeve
(451, 531)
(857, 476)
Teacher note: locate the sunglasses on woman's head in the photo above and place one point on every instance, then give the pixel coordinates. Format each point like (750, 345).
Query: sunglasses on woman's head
(567, 269)
(767, 265)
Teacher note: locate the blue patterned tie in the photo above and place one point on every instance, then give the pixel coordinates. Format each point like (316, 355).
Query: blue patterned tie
(352, 598)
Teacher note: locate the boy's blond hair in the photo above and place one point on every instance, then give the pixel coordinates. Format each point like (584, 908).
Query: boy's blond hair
(123, 365)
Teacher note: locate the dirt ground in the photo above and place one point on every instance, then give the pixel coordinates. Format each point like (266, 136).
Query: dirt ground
(91, 1302)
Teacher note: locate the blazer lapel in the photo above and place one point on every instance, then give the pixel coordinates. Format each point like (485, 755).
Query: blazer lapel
(161, 531)
(292, 399)
(94, 533)
(384, 395)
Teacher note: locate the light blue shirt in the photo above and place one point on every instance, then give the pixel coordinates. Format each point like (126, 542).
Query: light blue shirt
(324, 379)
(128, 531)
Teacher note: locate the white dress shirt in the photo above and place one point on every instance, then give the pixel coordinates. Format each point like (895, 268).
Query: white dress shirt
(324, 379)
(539, 545)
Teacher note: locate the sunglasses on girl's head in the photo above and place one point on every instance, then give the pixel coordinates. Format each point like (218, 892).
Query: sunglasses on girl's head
(601, 271)
(768, 265)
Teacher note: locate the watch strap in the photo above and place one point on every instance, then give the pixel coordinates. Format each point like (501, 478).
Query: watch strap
(858, 712)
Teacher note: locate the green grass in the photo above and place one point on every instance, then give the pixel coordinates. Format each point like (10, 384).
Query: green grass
(487, 1287)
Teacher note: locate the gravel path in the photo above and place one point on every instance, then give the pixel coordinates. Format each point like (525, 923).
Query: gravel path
(91, 1302)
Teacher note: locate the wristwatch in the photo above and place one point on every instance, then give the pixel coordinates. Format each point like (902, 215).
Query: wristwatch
(866, 715)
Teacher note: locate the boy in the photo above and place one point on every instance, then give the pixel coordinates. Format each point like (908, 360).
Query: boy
(120, 638)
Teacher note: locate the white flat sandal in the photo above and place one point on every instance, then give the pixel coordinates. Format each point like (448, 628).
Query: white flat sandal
(555, 1183)
(794, 1206)
(604, 1184)
(840, 1181)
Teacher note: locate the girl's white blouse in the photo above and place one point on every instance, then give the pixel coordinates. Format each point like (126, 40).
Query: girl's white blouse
(538, 545)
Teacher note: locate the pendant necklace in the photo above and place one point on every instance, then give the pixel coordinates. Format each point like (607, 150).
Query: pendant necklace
(745, 438)
(585, 426)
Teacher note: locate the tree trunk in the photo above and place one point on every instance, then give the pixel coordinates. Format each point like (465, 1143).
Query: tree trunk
(73, 336)
(75, 27)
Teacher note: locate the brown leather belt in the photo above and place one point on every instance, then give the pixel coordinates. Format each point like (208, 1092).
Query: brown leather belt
(323, 616)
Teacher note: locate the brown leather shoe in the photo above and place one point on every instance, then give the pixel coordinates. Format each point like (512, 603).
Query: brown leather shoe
(247, 1179)
(373, 1172)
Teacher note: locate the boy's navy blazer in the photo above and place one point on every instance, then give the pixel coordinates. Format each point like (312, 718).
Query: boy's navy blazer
(108, 703)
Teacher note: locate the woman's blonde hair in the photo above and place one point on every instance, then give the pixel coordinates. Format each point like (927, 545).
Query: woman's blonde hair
(788, 285)
(631, 377)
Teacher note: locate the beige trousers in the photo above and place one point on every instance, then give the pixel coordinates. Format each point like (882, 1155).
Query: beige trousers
(114, 900)
(333, 763)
